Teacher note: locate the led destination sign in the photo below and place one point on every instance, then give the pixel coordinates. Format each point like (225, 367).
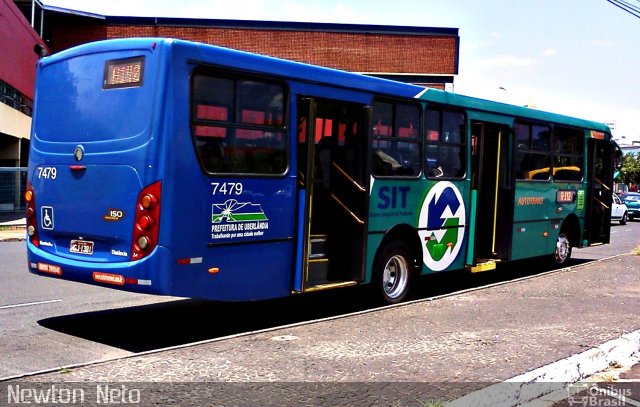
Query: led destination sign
(123, 73)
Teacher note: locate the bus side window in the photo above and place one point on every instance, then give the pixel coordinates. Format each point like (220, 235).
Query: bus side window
(444, 148)
(395, 146)
(568, 154)
(211, 152)
(533, 158)
(238, 125)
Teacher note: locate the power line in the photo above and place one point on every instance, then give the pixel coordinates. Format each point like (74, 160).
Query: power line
(626, 6)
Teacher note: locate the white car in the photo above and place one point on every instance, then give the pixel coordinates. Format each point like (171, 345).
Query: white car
(618, 210)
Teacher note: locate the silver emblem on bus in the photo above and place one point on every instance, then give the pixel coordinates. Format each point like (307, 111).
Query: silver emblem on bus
(78, 153)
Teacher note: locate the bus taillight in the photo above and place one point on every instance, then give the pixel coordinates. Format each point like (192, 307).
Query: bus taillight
(32, 220)
(147, 222)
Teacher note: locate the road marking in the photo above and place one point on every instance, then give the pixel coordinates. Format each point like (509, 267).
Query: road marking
(28, 304)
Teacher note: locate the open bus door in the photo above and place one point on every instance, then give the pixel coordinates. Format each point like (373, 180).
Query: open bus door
(332, 146)
(601, 156)
(491, 196)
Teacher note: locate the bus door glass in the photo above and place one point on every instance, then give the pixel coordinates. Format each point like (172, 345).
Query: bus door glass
(331, 174)
(491, 184)
(599, 179)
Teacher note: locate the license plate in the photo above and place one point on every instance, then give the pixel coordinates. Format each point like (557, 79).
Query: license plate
(81, 247)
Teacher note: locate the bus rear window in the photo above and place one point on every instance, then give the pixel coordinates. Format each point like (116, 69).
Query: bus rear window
(238, 125)
(96, 98)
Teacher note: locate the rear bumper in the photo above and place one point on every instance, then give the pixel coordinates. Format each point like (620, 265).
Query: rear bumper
(131, 276)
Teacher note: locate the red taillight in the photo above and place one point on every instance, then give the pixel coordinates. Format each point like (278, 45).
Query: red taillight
(32, 219)
(147, 222)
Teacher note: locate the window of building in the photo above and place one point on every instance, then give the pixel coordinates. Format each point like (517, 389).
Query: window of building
(395, 143)
(444, 144)
(11, 97)
(238, 125)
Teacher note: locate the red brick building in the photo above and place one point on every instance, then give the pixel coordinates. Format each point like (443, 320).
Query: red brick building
(421, 55)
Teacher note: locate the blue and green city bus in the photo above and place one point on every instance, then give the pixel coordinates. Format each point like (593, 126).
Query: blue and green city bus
(176, 168)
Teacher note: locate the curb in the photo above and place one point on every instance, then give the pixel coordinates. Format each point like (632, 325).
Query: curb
(555, 376)
(12, 239)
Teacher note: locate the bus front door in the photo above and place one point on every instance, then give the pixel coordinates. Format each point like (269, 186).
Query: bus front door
(331, 184)
(598, 203)
(492, 193)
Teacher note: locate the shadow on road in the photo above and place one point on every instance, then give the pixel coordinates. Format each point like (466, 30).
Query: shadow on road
(155, 326)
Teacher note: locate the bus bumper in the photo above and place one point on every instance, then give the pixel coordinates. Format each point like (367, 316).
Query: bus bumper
(131, 276)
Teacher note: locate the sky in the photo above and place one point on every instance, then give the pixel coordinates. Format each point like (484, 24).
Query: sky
(574, 57)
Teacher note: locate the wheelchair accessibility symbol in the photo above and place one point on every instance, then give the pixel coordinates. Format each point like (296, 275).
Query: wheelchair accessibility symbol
(46, 214)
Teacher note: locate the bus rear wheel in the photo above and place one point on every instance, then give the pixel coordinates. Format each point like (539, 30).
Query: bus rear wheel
(563, 249)
(394, 271)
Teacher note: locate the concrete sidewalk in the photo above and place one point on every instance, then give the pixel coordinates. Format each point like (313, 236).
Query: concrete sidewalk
(12, 231)
(536, 333)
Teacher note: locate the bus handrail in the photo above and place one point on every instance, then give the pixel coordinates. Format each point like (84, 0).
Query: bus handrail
(348, 177)
(605, 206)
(353, 215)
(602, 183)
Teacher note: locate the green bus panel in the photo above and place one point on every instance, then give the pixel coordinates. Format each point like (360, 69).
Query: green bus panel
(529, 239)
(433, 213)
(538, 216)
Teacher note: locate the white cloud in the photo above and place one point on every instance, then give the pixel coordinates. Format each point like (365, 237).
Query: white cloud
(549, 52)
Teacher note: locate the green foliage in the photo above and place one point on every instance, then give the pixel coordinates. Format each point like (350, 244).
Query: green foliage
(630, 171)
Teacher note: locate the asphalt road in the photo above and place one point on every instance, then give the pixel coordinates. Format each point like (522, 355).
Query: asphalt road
(26, 300)
(47, 323)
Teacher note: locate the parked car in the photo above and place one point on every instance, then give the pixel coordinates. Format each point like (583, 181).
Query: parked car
(619, 211)
(632, 200)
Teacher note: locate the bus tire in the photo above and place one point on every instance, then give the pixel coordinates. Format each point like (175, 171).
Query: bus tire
(563, 249)
(394, 272)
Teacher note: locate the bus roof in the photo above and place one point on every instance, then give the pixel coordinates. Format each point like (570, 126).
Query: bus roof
(473, 103)
(262, 64)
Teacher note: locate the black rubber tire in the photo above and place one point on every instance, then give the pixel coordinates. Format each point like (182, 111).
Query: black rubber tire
(562, 255)
(394, 271)
(623, 219)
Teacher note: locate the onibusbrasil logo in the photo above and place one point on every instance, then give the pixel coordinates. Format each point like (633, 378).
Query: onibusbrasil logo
(441, 225)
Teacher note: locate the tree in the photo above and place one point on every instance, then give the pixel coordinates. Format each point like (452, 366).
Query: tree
(630, 171)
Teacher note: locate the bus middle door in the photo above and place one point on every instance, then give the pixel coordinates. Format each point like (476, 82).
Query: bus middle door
(492, 192)
(331, 182)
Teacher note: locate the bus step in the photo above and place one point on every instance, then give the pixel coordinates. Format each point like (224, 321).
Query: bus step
(328, 286)
(318, 247)
(483, 265)
(318, 271)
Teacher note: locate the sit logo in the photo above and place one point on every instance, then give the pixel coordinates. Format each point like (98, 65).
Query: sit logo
(441, 225)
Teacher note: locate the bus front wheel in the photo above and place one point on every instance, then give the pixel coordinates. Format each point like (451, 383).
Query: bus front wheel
(394, 272)
(563, 249)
